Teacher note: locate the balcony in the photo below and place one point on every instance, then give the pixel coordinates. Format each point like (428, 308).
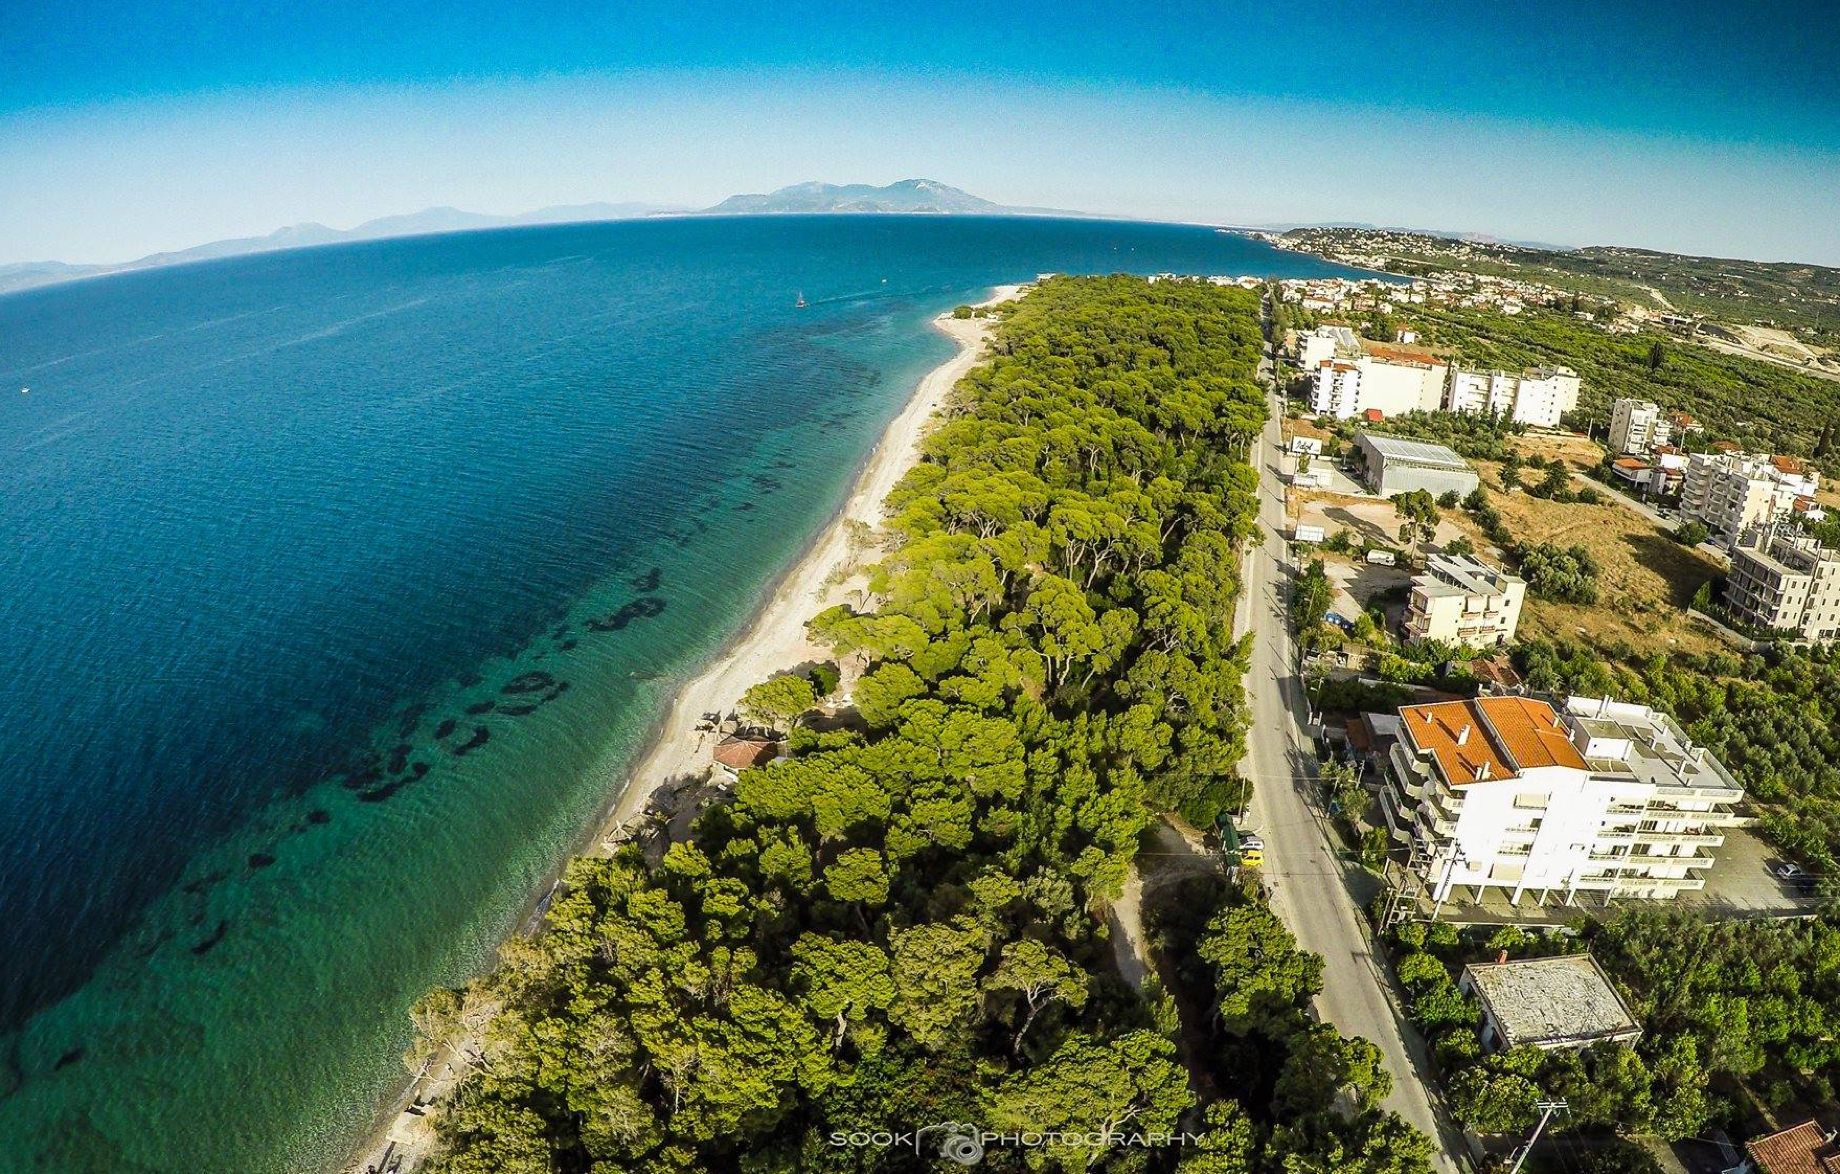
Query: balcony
(1637, 886)
(1685, 839)
(1645, 862)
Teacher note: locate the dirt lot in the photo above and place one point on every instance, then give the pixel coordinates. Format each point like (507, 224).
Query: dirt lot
(1293, 427)
(1371, 519)
(1646, 583)
(1581, 452)
(1357, 583)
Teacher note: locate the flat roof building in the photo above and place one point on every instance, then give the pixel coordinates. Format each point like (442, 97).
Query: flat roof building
(1549, 1003)
(1459, 599)
(1785, 580)
(1637, 425)
(1395, 465)
(1537, 397)
(1733, 493)
(1355, 377)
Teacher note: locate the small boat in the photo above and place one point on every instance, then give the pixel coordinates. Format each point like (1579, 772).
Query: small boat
(800, 304)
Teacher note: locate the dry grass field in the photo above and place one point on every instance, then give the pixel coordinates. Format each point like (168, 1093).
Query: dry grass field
(1646, 582)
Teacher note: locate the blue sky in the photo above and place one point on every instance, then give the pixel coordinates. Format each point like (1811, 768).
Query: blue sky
(1713, 128)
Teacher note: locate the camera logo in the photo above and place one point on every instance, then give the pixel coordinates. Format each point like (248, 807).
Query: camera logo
(962, 1144)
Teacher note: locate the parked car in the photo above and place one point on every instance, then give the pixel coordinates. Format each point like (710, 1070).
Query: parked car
(1793, 875)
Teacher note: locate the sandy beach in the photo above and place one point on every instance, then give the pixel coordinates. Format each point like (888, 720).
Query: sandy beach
(776, 639)
(828, 573)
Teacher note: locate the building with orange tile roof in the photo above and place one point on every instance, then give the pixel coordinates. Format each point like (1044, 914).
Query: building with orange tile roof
(1800, 1149)
(1510, 794)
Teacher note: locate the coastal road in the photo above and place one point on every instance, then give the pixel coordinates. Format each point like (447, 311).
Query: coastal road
(1310, 887)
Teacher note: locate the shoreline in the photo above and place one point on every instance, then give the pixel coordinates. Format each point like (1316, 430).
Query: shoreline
(772, 640)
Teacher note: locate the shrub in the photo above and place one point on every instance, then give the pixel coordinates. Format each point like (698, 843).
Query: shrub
(1564, 574)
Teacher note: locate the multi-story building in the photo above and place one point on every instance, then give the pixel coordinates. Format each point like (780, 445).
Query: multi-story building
(1326, 342)
(1375, 376)
(1510, 795)
(1637, 425)
(1537, 397)
(1546, 394)
(1733, 492)
(1337, 390)
(1786, 580)
(1459, 599)
(1398, 379)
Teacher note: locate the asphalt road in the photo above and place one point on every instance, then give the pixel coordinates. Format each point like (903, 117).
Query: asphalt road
(1310, 887)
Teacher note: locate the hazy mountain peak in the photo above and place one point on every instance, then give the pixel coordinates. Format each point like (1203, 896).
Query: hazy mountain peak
(907, 195)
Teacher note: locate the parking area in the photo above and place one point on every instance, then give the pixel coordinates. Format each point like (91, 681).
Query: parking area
(1738, 885)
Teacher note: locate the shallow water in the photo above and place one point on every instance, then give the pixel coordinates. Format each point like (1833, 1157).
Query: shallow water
(339, 587)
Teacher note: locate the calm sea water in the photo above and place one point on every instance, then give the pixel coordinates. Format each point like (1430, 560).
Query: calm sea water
(339, 587)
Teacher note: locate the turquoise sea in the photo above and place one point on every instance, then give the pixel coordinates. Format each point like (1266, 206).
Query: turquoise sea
(340, 586)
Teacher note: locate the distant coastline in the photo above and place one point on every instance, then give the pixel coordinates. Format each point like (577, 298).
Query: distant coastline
(912, 197)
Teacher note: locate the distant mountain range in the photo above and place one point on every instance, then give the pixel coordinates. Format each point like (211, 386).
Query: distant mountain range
(913, 196)
(25, 274)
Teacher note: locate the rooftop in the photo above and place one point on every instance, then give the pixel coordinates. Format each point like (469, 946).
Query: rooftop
(1636, 740)
(1409, 356)
(1549, 1002)
(1530, 732)
(1453, 733)
(1417, 452)
(1799, 1149)
(1489, 738)
(1460, 574)
(740, 751)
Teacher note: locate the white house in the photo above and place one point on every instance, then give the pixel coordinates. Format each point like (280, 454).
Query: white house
(1459, 599)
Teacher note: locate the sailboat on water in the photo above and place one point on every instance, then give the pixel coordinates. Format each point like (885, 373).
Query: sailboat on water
(800, 304)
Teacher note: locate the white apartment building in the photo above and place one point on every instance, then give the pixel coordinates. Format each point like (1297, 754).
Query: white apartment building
(1459, 599)
(1784, 579)
(1637, 425)
(1547, 393)
(1537, 398)
(1510, 795)
(1337, 390)
(1392, 380)
(1732, 493)
(1399, 379)
(1326, 342)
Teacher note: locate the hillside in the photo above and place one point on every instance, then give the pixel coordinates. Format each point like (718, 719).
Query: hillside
(1800, 296)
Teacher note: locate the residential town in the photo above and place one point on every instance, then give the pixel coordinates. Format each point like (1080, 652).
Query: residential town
(1450, 523)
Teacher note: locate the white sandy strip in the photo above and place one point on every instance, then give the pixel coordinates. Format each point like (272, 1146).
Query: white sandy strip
(776, 640)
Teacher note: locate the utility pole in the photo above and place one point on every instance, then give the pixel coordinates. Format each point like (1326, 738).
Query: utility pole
(1547, 1109)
